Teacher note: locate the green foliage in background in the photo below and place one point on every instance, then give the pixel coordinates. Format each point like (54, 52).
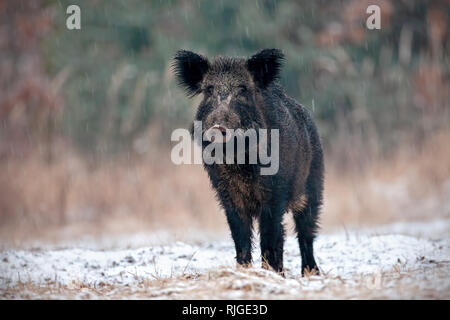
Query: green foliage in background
(120, 82)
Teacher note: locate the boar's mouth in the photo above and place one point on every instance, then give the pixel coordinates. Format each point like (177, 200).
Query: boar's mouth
(218, 130)
(232, 136)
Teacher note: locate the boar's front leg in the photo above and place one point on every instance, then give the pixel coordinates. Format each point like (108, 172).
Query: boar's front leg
(241, 231)
(272, 238)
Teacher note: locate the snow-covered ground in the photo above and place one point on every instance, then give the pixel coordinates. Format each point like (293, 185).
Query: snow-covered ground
(403, 260)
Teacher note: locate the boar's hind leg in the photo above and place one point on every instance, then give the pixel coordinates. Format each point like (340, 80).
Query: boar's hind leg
(241, 231)
(272, 238)
(306, 226)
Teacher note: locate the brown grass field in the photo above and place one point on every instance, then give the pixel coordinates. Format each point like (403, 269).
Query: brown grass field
(70, 199)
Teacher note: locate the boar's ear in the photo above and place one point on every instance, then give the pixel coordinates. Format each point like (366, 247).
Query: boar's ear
(265, 66)
(189, 69)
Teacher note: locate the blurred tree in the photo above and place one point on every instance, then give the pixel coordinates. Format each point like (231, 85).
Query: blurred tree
(370, 86)
(30, 103)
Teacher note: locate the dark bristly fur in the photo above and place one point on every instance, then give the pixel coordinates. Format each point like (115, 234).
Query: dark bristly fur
(258, 101)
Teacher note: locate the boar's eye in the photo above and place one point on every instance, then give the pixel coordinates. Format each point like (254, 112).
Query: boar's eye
(242, 89)
(209, 90)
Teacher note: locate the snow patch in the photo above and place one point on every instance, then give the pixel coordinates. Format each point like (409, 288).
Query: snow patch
(345, 255)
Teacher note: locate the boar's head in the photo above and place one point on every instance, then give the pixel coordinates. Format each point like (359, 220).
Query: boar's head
(232, 88)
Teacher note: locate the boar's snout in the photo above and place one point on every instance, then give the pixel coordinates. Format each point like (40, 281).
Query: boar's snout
(216, 131)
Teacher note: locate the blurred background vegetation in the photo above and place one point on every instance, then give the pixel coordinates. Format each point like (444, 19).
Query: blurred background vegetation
(106, 92)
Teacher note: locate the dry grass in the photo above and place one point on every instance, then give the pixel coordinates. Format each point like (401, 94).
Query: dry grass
(226, 283)
(71, 197)
(413, 184)
(135, 195)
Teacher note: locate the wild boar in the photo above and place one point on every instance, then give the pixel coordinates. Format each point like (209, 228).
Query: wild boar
(241, 93)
